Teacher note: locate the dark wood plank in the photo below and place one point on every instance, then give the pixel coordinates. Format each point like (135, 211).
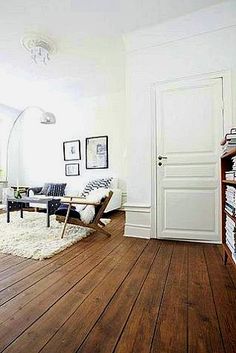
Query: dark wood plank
(113, 319)
(66, 278)
(102, 289)
(224, 295)
(47, 325)
(23, 269)
(230, 265)
(138, 332)
(84, 318)
(204, 335)
(171, 328)
(20, 282)
(10, 261)
(15, 284)
(35, 265)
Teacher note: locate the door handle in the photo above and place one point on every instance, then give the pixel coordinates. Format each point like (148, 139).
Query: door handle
(161, 157)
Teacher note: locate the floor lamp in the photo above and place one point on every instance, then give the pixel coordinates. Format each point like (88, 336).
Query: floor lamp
(45, 118)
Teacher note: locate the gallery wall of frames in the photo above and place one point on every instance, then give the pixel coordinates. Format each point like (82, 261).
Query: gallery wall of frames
(96, 154)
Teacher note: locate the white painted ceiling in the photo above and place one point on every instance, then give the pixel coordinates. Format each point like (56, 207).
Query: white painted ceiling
(87, 34)
(79, 18)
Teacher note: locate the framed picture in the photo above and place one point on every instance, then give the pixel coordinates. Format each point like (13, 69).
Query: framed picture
(72, 169)
(97, 152)
(71, 150)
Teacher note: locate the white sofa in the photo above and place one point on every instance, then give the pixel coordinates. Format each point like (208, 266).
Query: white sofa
(114, 204)
(115, 201)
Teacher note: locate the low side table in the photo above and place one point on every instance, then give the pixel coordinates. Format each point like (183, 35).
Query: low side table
(50, 203)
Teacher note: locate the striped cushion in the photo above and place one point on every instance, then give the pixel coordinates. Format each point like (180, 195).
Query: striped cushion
(96, 184)
(56, 189)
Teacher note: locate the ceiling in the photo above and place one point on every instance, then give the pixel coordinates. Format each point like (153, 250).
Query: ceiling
(87, 34)
(79, 18)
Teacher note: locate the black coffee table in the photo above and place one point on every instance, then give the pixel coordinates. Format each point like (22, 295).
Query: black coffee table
(51, 205)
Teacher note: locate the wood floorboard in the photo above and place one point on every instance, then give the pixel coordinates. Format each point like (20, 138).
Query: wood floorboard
(10, 261)
(55, 286)
(171, 327)
(224, 294)
(10, 287)
(113, 318)
(231, 267)
(84, 318)
(139, 329)
(204, 334)
(45, 327)
(119, 295)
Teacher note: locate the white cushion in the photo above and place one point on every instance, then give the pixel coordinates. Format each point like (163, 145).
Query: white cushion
(88, 213)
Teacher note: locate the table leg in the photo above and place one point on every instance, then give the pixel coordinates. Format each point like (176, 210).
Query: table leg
(21, 210)
(48, 215)
(8, 211)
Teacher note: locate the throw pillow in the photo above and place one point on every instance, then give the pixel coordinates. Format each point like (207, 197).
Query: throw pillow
(96, 184)
(44, 189)
(56, 189)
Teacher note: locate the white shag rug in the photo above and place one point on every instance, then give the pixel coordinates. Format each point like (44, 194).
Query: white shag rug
(29, 237)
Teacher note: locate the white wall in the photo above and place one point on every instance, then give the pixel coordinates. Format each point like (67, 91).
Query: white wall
(84, 86)
(199, 43)
(7, 117)
(42, 145)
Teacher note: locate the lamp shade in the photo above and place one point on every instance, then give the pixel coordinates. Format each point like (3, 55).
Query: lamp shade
(48, 118)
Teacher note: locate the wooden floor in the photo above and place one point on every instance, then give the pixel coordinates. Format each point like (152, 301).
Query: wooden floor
(119, 295)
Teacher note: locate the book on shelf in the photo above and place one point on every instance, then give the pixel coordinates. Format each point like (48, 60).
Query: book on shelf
(228, 172)
(229, 211)
(230, 175)
(229, 141)
(230, 236)
(230, 247)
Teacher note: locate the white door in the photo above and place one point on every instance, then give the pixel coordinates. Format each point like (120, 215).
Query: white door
(189, 130)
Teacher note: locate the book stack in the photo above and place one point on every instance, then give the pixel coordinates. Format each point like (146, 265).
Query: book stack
(229, 141)
(230, 202)
(230, 228)
(230, 175)
(234, 164)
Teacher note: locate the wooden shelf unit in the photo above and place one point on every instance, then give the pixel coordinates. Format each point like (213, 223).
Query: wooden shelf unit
(226, 165)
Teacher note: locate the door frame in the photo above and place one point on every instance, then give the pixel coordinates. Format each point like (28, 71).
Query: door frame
(226, 77)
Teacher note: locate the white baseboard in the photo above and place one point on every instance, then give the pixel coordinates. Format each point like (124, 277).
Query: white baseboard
(137, 231)
(138, 221)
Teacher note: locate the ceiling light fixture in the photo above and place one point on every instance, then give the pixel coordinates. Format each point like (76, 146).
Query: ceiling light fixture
(40, 47)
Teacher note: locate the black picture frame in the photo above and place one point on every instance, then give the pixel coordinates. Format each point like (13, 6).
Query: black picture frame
(97, 152)
(72, 169)
(71, 150)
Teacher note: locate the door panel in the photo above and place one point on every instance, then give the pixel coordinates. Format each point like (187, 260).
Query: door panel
(189, 129)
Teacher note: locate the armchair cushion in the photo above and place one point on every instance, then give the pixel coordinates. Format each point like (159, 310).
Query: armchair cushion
(62, 210)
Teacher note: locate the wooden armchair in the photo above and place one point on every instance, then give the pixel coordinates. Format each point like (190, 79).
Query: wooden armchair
(71, 216)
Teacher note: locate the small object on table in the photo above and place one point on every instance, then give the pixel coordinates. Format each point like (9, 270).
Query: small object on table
(17, 194)
(19, 190)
